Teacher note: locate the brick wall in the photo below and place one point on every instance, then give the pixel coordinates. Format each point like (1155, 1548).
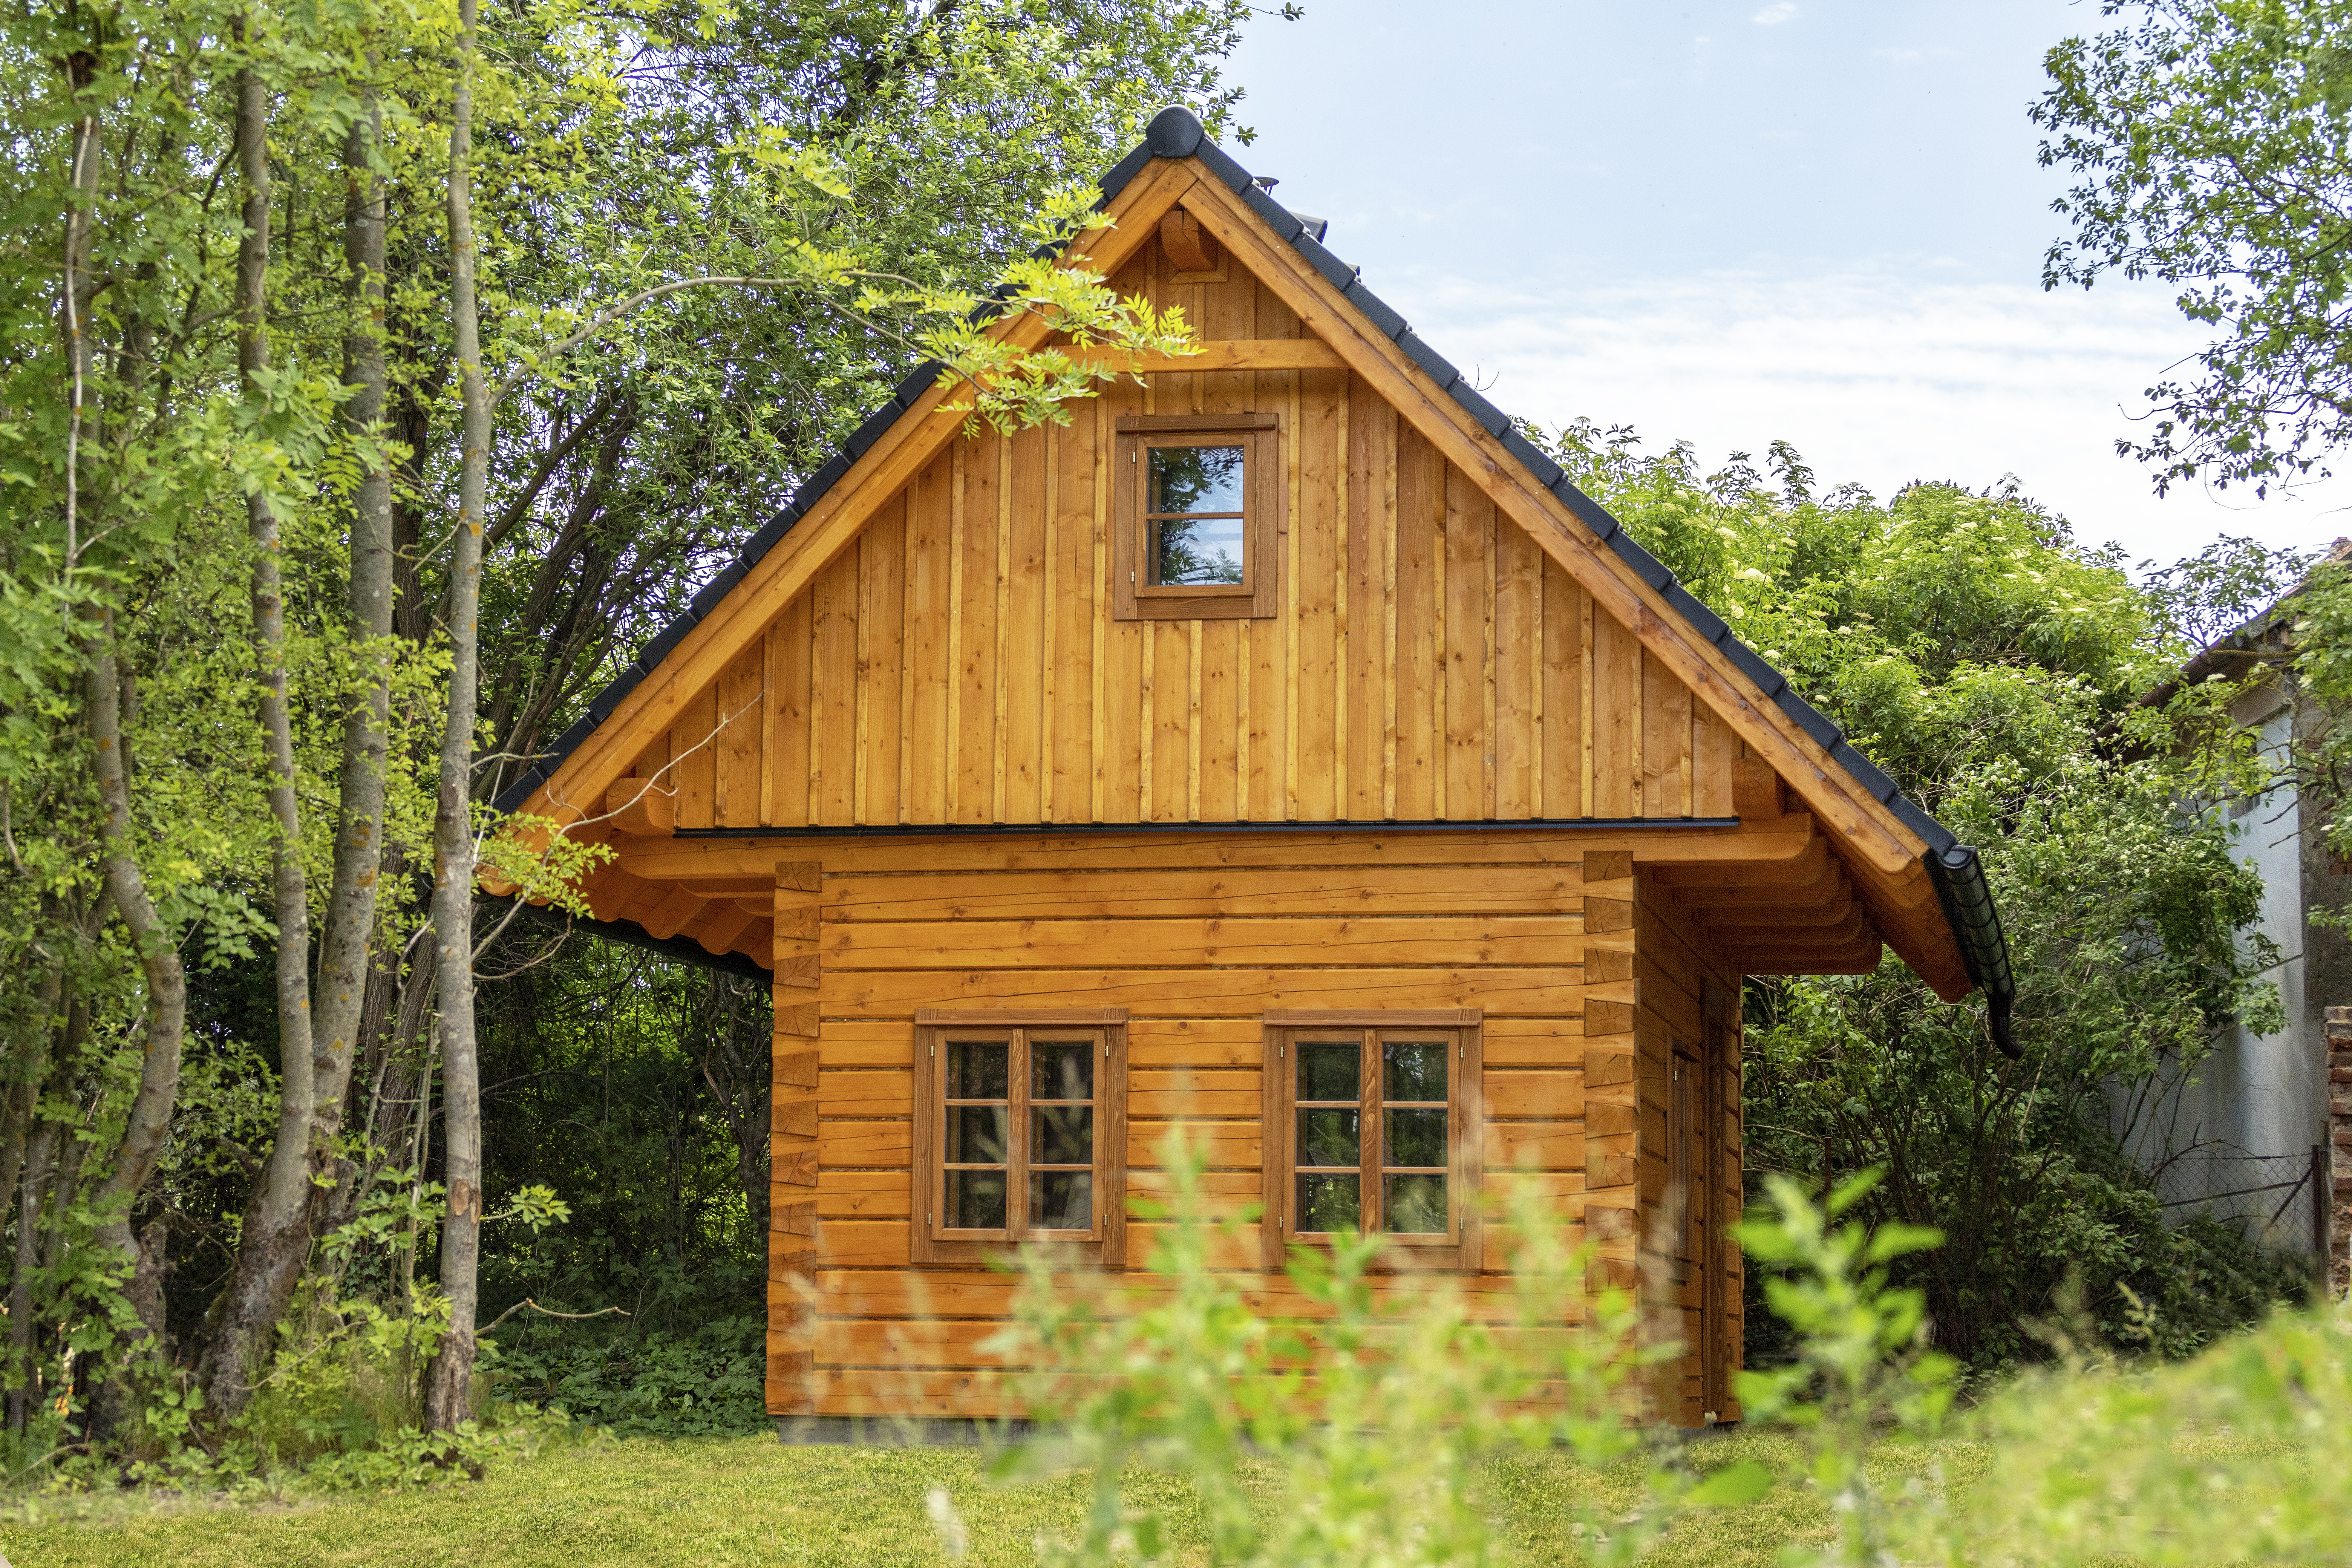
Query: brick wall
(2339, 1138)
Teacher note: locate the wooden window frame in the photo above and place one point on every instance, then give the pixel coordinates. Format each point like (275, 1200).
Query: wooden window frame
(1458, 1250)
(1104, 1244)
(1263, 522)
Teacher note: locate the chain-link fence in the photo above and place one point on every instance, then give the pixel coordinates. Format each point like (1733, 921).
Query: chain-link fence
(2281, 1199)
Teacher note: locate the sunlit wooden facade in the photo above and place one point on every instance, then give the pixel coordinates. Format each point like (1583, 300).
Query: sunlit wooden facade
(1464, 784)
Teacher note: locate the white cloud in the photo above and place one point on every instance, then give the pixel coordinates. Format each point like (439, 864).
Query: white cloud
(1875, 375)
(1900, 57)
(1772, 15)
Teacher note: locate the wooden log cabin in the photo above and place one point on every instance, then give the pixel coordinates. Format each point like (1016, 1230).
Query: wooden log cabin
(1284, 747)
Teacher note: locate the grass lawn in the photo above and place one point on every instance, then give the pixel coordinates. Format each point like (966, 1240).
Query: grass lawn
(650, 1503)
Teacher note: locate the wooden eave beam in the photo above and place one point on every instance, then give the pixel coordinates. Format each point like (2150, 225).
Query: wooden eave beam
(715, 865)
(1810, 867)
(1859, 962)
(1233, 353)
(1741, 917)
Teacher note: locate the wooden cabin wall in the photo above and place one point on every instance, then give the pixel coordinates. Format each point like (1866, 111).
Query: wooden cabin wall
(1197, 936)
(1674, 972)
(958, 662)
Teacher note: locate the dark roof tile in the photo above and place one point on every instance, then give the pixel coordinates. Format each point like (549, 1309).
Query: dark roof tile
(1704, 621)
(1751, 665)
(915, 383)
(1440, 368)
(1492, 419)
(1375, 309)
(1531, 457)
(823, 480)
(601, 706)
(1284, 223)
(1174, 133)
(1220, 164)
(1865, 772)
(1648, 567)
(861, 440)
(1126, 169)
(1338, 273)
(1809, 718)
(1590, 512)
(1940, 838)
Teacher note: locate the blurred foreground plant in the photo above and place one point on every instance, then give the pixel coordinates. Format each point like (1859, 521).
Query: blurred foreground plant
(1862, 1360)
(1377, 1411)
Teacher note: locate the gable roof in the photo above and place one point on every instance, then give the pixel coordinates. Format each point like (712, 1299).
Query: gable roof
(1897, 827)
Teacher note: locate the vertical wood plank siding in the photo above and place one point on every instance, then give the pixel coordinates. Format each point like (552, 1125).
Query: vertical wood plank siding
(958, 663)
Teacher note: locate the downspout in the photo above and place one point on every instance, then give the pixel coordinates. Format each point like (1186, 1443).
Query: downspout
(1959, 874)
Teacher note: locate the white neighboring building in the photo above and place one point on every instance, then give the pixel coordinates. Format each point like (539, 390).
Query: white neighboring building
(2246, 1133)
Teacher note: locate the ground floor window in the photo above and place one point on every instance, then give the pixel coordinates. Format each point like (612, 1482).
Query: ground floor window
(1371, 1127)
(1020, 1133)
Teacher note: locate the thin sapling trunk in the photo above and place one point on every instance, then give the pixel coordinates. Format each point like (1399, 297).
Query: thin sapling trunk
(449, 1383)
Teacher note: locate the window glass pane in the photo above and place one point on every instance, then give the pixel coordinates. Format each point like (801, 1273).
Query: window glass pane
(1195, 478)
(975, 1200)
(1330, 1203)
(1061, 1200)
(1415, 1071)
(1196, 551)
(979, 1069)
(1329, 1072)
(977, 1134)
(1062, 1069)
(1414, 1137)
(1330, 1137)
(1414, 1205)
(1062, 1134)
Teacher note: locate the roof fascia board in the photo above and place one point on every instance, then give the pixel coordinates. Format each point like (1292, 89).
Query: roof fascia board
(1861, 822)
(898, 454)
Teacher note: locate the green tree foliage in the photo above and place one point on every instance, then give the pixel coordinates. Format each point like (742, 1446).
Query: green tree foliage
(1995, 667)
(708, 240)
(2210, 143)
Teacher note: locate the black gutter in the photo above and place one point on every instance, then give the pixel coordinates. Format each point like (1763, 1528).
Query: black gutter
(1960, 887)
(1130, 829)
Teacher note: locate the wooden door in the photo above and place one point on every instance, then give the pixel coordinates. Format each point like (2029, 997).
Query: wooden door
(1692, 1254)
(1721, 1140)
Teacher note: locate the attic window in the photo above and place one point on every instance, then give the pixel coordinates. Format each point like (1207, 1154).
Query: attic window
(1195, 517)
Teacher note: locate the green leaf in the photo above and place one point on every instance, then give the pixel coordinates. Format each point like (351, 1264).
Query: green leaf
(1731, 1486)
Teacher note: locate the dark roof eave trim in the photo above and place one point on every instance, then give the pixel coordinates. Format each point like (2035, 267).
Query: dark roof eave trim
(679, 949)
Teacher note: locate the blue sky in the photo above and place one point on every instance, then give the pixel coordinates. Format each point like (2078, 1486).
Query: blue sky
(1732, 223)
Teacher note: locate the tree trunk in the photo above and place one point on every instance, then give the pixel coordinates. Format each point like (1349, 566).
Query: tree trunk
(20, 1282)
(159, 956)
(449, 1386)
(344, 971)
(275, 1237)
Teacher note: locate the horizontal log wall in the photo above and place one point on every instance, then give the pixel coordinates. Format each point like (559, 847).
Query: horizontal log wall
(1197, 948)
(1673, 968)
(958, 662)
